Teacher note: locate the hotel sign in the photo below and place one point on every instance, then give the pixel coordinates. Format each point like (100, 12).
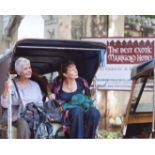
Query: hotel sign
(121, 55)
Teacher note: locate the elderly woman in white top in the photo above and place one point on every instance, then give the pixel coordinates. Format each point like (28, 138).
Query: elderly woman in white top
(29, 92)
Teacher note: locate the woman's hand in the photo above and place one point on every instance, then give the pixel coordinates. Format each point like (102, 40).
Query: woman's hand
(52, 96)
(7, 85)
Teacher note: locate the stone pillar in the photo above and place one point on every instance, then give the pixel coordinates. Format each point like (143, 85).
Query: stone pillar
(87, 28)
(58, 27)
(116, 26)
(64, 26)
(116, 100)
(99, 26)
(50, 27)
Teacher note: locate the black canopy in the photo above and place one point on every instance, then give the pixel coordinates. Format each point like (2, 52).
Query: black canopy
(48, 55)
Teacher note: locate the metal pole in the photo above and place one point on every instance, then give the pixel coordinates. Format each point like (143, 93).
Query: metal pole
(9, 130)
(153, 115)
(153, 119)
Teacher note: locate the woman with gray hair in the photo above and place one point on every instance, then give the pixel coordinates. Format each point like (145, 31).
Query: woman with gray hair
(28, 90)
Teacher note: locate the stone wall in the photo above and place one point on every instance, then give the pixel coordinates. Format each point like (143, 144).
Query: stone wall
(99, 26)
(75, 27)
(139, 25)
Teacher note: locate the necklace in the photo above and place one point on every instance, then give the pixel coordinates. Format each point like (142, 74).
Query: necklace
(69, 87)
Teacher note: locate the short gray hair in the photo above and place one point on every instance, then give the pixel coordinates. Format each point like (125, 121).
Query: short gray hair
(19, 62)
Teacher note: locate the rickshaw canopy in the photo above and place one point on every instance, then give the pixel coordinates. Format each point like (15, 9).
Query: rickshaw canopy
(144, 69)
(48, 55)
(140, 112)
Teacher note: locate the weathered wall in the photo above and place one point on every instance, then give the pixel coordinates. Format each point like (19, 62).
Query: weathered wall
(75, 27)
(57, 27)
(99, 26)
(136, 25)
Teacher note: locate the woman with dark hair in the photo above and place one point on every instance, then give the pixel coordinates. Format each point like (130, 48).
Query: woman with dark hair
(83, 123)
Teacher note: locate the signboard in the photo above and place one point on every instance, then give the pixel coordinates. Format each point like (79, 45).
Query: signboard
(121, 55)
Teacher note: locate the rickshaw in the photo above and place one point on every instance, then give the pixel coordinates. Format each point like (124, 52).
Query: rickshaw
(139, 119)
(47, 56)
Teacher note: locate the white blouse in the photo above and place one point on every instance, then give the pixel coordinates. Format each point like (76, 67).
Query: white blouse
(30, 93)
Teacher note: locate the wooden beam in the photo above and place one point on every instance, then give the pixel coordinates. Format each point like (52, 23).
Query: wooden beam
(139, 118)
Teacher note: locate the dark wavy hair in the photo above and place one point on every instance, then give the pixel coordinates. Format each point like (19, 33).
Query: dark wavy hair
(64, 67)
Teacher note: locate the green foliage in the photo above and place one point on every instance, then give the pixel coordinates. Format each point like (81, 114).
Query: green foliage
(110, 135)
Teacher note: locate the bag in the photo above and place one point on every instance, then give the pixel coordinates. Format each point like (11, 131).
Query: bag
(51, 111)
(33, 115)
(79, 100)
(38, 123)
(44, 131)
(16, 109)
